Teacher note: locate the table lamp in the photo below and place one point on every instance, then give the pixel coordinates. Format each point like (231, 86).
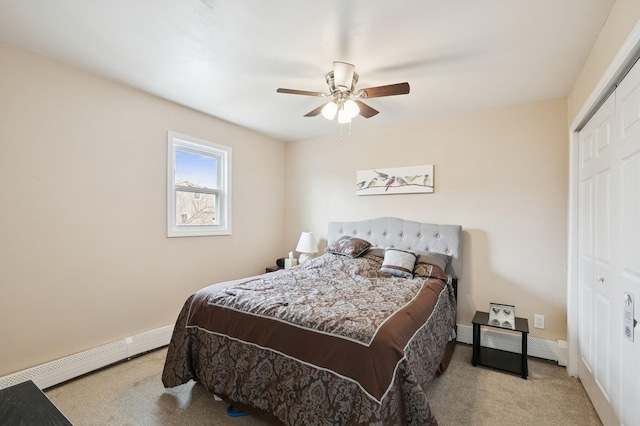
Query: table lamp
(307, 246)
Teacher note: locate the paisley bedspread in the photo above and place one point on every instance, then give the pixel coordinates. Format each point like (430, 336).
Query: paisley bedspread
(348, 298)
(332, 341)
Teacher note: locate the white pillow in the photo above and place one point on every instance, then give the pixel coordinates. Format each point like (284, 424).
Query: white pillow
(398, 262)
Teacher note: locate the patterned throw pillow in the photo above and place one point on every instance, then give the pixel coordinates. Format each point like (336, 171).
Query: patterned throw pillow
(398, 262)
(423, 269)
(348, 246)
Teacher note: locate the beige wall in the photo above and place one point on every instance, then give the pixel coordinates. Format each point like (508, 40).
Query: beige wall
(501, 174)
(84, 257)
(82, 178)
(624, 16)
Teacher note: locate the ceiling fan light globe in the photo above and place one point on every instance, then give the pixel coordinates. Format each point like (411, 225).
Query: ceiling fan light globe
(351, 108)
(329, 110)
(343, 117)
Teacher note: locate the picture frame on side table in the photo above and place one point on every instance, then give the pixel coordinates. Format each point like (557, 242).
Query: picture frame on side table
(501, 315)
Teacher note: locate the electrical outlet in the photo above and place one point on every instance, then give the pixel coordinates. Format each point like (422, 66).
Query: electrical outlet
(538, 321)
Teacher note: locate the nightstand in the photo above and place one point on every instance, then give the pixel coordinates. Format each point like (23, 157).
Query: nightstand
(26, 404)
(496, 358)
(273, 269)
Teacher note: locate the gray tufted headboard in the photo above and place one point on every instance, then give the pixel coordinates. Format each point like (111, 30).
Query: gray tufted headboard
(404, 234)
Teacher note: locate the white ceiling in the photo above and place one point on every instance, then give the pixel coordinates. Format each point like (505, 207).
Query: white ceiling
(227, 58)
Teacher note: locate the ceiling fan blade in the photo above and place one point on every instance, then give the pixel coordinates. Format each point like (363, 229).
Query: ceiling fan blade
(379, 91)
(365, 110)
(316, 111)
(300, 92)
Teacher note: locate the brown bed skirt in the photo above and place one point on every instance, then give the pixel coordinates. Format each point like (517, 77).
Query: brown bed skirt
(273, 420)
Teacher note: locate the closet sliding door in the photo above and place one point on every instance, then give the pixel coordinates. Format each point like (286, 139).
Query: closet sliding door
(597, 256)
(628, 123)
(609, 254)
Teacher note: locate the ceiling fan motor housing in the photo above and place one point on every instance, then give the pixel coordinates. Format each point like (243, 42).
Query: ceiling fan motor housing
(332, 83)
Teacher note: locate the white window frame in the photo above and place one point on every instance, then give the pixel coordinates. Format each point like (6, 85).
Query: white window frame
(177, 141)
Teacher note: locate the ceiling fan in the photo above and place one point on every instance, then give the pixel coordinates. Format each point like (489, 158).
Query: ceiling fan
(346, 102)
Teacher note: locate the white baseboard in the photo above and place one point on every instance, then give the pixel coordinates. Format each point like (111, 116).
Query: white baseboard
(540, 348)
(63, 369)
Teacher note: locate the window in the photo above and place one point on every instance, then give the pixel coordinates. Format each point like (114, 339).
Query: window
(199, 184)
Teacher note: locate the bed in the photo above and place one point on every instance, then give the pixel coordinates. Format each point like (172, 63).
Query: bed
(349, 337)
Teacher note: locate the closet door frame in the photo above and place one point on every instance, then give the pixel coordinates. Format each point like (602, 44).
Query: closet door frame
(621, 63)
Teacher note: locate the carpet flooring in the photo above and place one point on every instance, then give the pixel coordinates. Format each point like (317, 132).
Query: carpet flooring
(131, 393)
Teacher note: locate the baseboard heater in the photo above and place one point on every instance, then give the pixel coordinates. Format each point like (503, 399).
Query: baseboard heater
(69, 367)
(554, 350)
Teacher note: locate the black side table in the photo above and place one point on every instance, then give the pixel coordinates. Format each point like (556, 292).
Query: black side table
(26, 404)
(496, 358)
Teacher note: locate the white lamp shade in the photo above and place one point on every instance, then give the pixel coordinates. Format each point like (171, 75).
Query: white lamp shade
(307, 243)
(329, 110)
(343, 74)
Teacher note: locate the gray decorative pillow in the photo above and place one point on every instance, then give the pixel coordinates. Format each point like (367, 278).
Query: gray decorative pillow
(438, 259)
(398, 262)
(376, 251)
(348, 246)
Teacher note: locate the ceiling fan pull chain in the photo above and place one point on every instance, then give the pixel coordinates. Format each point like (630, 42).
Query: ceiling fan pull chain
(342, 133)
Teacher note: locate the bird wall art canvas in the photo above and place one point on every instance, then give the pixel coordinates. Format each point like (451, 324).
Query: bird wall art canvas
(398, 180)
